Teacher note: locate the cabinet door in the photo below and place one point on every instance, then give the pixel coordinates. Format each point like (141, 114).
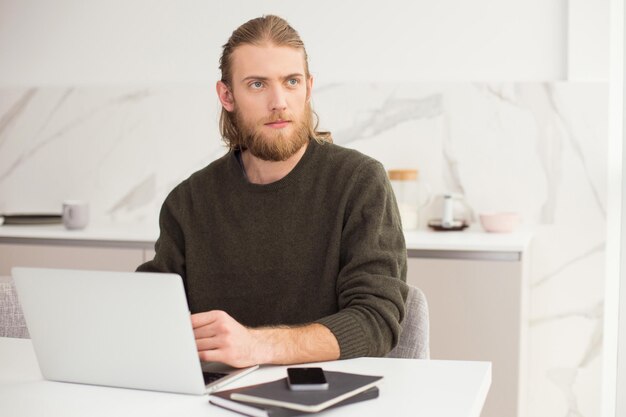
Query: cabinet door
(476, 313)
(71, 257)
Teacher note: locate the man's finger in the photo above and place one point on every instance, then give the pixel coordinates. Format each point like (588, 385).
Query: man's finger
(208, 343)
(214, 355)
(204, 332)
(202, 319)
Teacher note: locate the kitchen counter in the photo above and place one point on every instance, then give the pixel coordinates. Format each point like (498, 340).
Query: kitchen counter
(468, 244)
(472, 243)
(468, 240)
(113, 234)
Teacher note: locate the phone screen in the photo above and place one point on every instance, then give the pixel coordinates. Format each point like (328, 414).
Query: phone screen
(306, 378)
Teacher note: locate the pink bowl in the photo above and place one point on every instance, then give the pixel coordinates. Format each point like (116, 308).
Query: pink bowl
(503, 222)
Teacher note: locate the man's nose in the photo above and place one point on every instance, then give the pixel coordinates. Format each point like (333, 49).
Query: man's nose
(278, 99)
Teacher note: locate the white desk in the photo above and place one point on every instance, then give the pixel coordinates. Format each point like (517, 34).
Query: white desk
(409, 388)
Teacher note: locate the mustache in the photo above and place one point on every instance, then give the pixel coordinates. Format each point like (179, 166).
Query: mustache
(276, 117)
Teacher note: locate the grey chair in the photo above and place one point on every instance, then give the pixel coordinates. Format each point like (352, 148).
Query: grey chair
(414, 336)
(12, 322)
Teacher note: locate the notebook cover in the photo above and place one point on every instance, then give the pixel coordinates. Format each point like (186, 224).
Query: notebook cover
(341, 385)
(222, 399)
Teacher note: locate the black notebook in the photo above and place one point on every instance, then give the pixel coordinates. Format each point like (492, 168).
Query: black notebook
(341, 386)
(222, 399)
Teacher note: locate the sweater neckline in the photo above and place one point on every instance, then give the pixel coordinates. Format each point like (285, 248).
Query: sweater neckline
(238, 171)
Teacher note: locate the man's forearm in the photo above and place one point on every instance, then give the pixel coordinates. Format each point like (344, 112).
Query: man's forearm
(288, 345)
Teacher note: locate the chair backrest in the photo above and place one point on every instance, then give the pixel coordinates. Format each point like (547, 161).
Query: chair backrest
(414, 336)
(12, 322)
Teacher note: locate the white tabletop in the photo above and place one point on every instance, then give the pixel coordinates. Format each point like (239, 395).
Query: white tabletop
(409, 388)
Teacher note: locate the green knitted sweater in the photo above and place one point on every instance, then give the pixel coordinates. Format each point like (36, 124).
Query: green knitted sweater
(324, 244)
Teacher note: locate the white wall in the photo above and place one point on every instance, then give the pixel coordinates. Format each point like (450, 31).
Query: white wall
(588, 40)
(614, 340)
(71, 42)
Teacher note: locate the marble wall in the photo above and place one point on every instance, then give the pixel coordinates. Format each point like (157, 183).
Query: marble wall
(536, 148)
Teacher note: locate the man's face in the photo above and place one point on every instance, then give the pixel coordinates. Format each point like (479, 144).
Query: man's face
(271, 99)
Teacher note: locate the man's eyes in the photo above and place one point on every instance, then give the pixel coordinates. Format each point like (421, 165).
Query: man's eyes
(257, 85)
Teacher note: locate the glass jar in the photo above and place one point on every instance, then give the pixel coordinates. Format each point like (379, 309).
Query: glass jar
(411, 194)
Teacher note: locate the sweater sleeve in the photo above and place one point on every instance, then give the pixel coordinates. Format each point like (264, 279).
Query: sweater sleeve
(371, 286)
(170, 246)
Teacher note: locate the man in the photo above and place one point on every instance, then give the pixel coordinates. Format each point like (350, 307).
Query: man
(290, 247)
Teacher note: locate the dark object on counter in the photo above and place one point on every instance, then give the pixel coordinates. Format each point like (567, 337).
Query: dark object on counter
(341, 386)
(222, 399)
(456, 225)
(31, 219)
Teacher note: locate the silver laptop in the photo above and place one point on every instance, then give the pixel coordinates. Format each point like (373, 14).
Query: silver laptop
(119, 329)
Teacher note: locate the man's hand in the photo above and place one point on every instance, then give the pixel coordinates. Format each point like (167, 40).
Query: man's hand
(221, 338)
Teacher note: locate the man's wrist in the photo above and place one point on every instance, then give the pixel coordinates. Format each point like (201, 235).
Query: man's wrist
(263, 351)
(289, 345)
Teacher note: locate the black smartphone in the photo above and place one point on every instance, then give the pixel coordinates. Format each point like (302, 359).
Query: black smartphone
(306, 379)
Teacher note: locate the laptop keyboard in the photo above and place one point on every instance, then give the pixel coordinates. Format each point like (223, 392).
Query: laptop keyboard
(210, 377)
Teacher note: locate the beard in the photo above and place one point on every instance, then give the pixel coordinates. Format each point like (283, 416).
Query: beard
(274, 146)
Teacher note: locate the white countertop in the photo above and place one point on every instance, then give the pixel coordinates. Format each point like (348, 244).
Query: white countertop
(467, 240)
(113, 232)
(472, 239)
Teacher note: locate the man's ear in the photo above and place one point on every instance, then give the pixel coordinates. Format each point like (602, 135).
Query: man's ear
(225, 96)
